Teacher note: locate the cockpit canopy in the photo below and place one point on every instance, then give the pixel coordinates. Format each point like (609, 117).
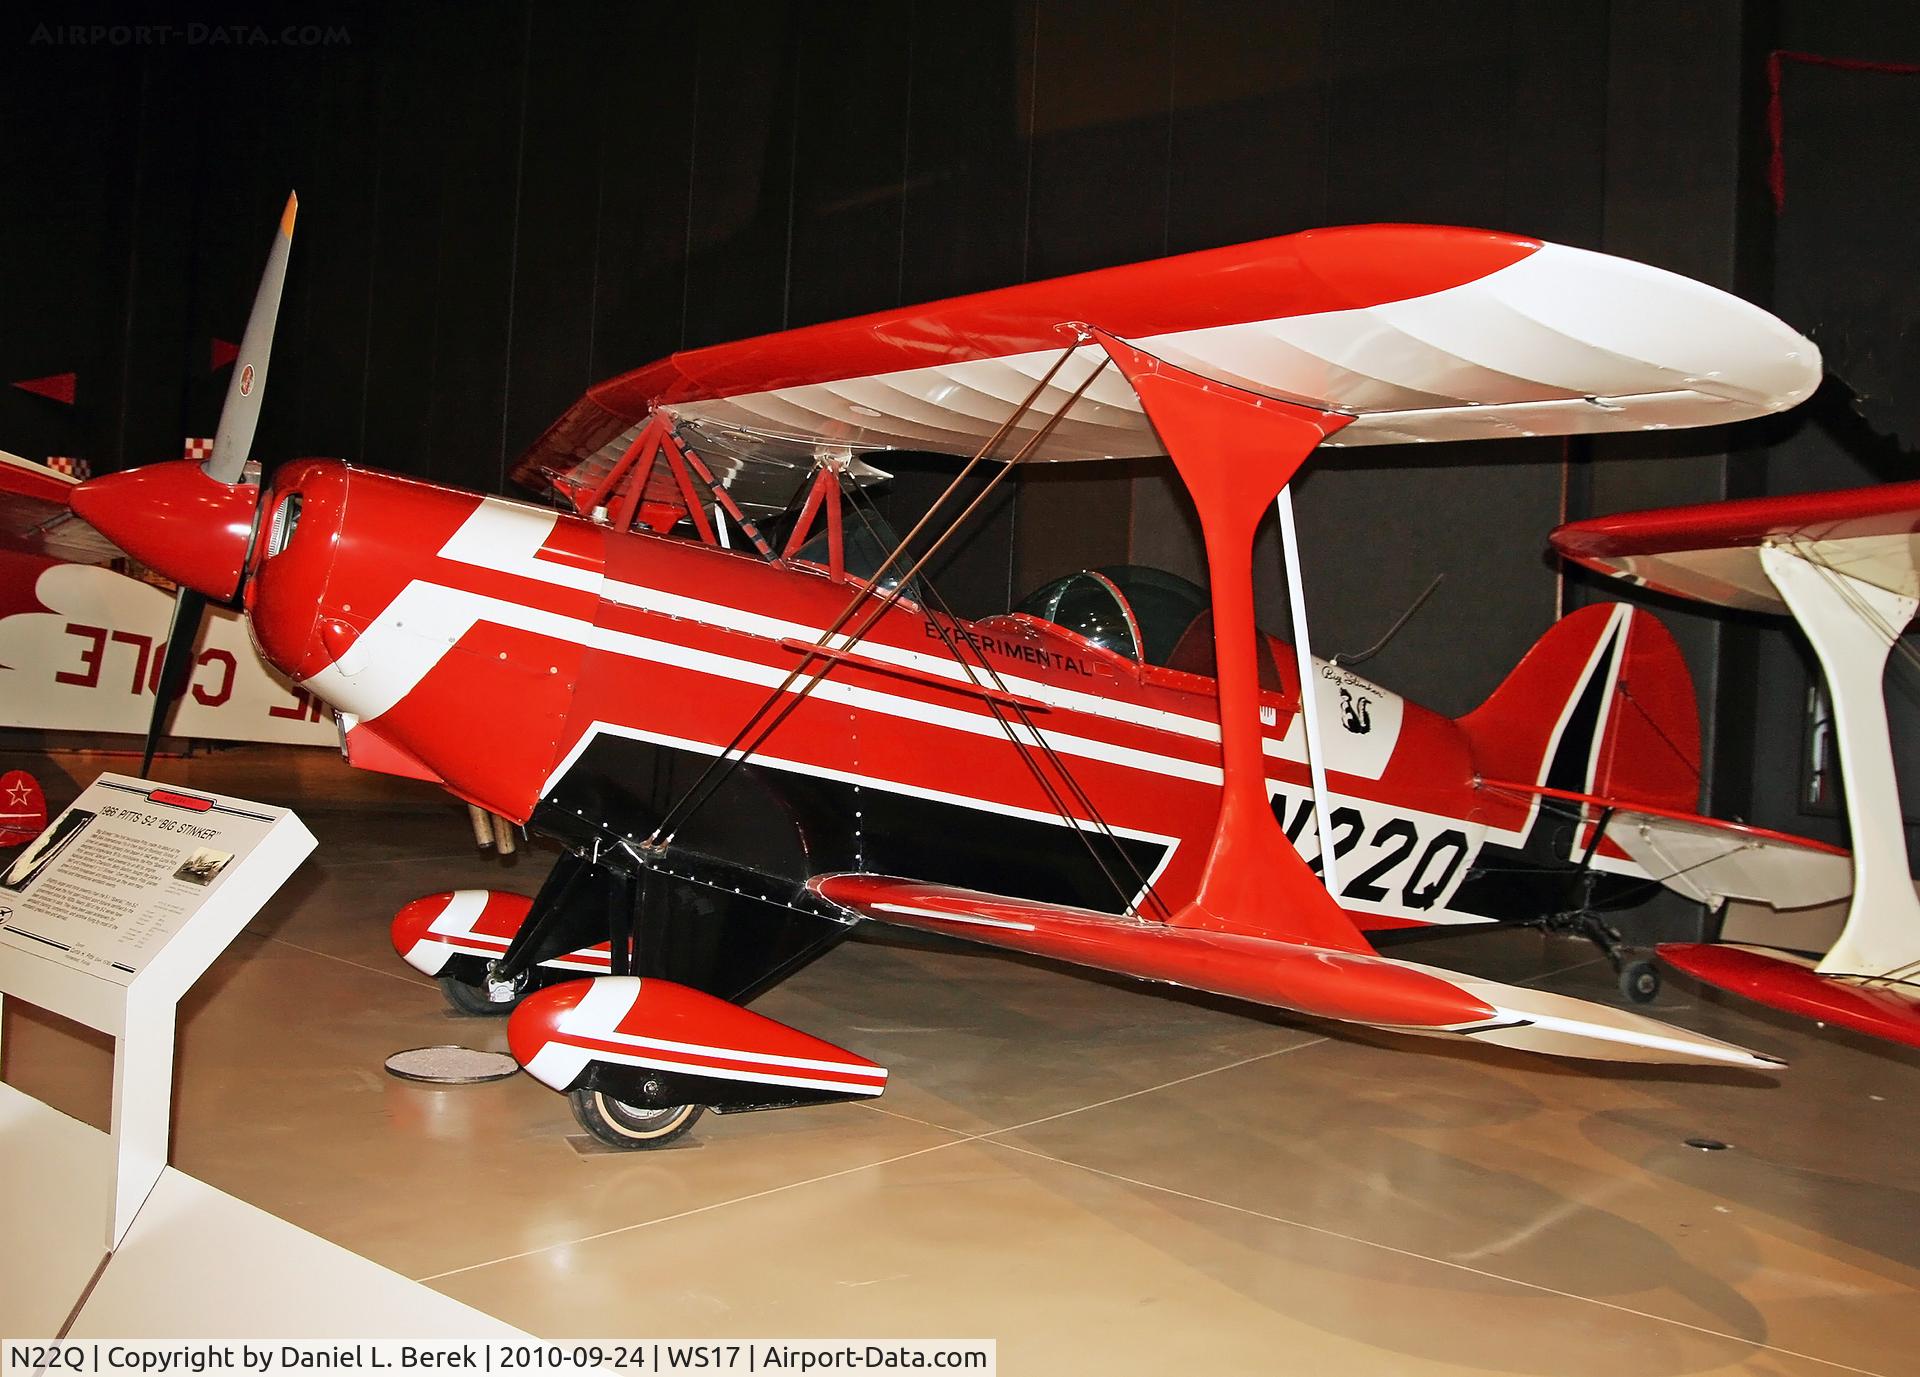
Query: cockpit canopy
(1147, 615)
(1132, 610)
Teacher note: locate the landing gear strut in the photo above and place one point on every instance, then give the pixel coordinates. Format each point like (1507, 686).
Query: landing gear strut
(1639, 979)
(492, 997)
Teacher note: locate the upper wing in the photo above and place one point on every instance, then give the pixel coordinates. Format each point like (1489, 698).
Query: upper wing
(1711, 553)
(34, 515)
(1356, 987)
(1419, 332)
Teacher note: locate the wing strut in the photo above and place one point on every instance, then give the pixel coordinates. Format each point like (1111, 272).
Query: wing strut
(1309, 693)
(995, 694)
(1236, 451)
(1854, 626)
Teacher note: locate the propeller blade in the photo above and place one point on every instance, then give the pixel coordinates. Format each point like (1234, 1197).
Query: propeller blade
(240, 413)
(188, 611)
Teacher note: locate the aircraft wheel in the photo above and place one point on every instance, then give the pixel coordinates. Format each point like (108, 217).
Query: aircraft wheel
(626, 1126)
(1640, 981)
(479, 1001)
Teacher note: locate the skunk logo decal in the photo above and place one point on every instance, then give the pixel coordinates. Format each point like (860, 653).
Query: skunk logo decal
(1353, 712)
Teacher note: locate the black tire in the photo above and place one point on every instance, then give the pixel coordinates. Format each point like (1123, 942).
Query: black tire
(1640, 981)
(629, 1127)
(473, 1001)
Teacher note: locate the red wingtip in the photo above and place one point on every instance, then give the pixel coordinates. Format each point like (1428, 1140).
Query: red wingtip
(1782, 981)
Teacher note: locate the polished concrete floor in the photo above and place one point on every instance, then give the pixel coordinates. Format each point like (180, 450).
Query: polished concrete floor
(1103, 1177)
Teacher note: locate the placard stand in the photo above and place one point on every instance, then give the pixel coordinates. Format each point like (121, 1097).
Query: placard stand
(112, 915)
(108, 919)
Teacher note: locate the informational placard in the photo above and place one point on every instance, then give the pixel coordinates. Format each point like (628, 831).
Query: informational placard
(111, 914)
(122, 871)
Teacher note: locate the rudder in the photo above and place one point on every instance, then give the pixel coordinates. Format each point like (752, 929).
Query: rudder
(1603, 705)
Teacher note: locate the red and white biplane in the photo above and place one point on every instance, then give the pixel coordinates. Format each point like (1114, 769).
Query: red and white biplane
(752, 738)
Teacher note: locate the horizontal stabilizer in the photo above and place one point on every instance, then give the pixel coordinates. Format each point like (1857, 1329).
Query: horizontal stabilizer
(1352, 987)
(1711, 859)
(1789, 982)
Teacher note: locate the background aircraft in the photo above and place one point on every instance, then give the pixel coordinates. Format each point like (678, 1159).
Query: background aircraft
(1844, 565)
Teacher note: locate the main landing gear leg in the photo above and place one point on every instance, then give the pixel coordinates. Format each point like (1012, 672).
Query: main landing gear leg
(563, 917)
(580, 904)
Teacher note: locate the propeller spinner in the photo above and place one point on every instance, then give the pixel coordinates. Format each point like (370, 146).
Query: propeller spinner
(195, 523)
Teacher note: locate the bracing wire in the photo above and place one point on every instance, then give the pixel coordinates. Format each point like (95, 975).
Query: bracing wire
(739, 747)
(1143, 885)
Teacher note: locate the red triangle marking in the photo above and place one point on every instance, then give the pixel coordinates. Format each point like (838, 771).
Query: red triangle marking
(59, 386)
(223, 353)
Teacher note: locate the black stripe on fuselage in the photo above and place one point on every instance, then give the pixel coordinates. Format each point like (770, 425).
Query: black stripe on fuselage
(788, 825)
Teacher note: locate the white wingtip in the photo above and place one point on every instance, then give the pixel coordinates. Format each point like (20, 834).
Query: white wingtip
(1539, 1021)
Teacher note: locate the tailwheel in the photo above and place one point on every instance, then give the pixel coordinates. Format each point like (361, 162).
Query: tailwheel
(490, 998)
(1640, 981)
(626, 1126)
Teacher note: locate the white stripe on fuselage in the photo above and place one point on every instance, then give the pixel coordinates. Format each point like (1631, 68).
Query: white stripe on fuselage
(506, 537)
(393, 658)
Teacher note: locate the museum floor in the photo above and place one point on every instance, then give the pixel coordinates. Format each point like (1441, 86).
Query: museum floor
(1103, 1177)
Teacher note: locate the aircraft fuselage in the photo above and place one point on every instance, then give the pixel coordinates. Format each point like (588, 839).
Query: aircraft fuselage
(583, 679)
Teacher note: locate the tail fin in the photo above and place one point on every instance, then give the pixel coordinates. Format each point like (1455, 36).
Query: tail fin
(1603, 704)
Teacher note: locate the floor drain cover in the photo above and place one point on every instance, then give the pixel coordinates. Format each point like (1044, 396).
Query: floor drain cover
(1707, 1144)
(451, 1065)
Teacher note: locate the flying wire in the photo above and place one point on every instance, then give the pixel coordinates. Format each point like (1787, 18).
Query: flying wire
(953, 642)
(706, 783)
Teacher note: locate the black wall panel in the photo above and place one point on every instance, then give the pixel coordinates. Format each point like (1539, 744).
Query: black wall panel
(1247, 152)
(745, 128)
(646, 71)
(506, 201)
(967, 126)
(1840, 261)
(556, 219)
(850, 131)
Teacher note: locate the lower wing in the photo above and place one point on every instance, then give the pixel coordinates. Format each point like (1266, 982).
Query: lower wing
(1354, 987)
